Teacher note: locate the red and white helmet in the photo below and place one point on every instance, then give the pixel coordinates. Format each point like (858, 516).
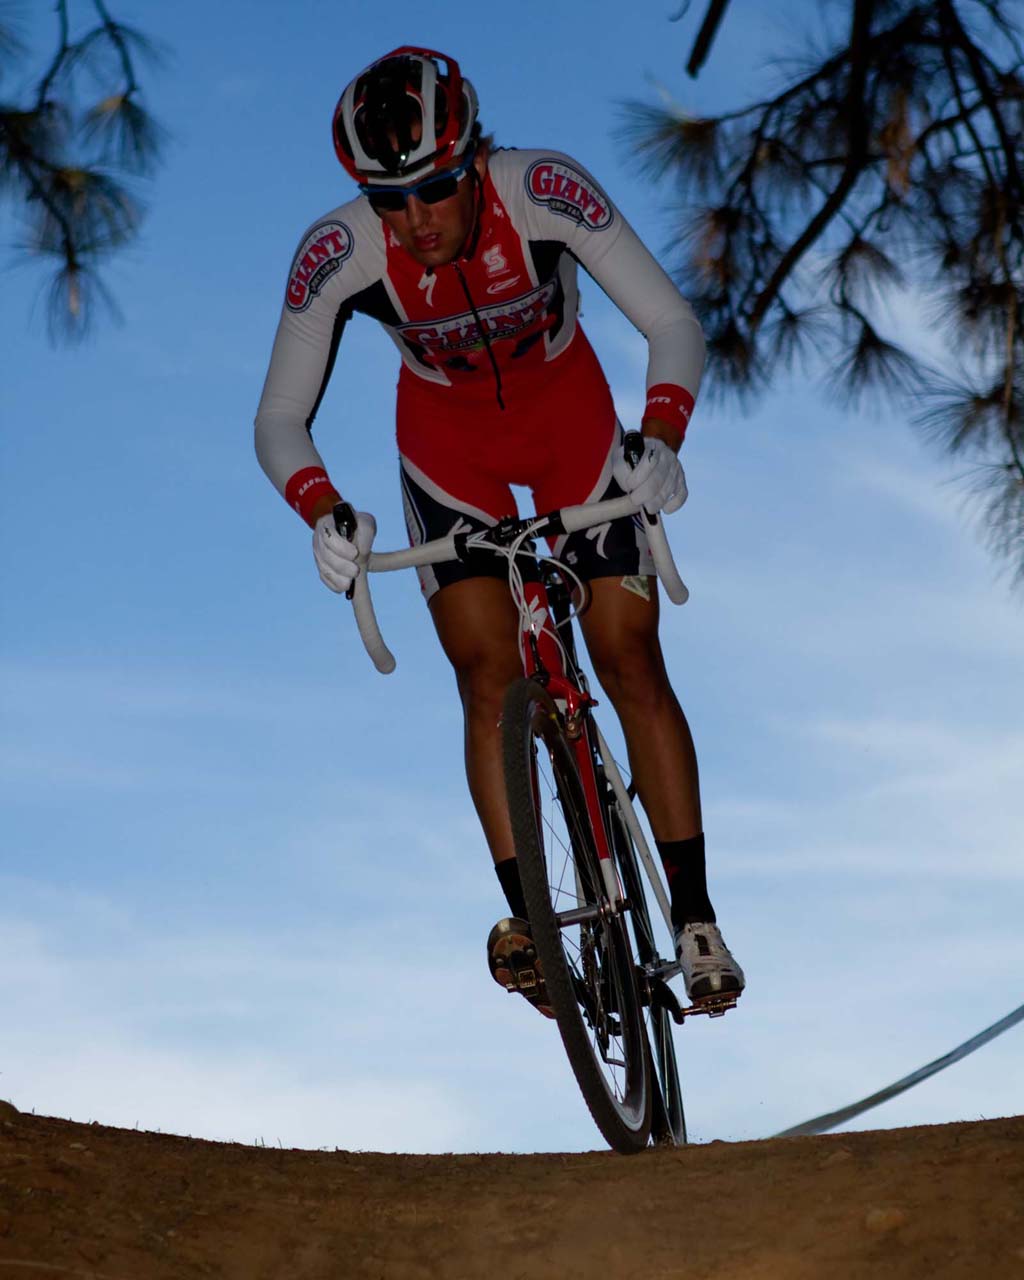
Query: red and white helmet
(404, 117)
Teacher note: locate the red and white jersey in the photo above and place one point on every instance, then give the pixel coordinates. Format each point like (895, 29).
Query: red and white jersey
(486, 328)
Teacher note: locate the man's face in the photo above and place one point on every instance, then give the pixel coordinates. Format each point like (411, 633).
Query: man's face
(433, 234)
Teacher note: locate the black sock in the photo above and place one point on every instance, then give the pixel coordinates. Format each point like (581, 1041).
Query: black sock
(508, 875)
(683, 861)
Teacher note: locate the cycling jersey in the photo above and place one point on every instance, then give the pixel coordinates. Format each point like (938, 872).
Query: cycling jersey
(482, 338)
(458, 463)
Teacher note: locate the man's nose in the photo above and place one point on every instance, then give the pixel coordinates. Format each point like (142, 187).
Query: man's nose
(416, 212)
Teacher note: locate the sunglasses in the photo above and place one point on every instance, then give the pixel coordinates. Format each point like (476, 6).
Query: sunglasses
(432, 190)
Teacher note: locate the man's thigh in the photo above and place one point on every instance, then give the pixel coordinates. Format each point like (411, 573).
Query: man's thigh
(621, 618)
(478, 626)
(433, 511)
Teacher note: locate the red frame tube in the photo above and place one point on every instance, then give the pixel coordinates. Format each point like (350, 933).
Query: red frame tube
(562, 688)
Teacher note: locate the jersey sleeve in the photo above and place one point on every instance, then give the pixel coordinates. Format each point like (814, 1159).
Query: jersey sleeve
(562, 201)
(334, 262)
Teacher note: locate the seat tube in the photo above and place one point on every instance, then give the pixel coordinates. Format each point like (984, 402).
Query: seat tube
(542, 628)
(565, 692)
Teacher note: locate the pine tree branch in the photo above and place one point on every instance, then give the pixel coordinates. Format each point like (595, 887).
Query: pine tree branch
(900, 151)
(863, 11)
(37, 191)
(970, 51)
(65, 165)
(706, 35)
(117, 39)
(1009, 32)
(954, 79)
(63, 50)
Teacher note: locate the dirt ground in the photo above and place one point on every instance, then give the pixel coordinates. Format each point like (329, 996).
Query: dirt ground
(903, 1204)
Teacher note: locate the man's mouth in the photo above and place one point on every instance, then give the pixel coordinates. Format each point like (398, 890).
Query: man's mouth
(426, 243)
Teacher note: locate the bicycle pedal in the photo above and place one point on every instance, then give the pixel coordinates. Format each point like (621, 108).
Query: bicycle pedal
(524, 980)
(715, 1006)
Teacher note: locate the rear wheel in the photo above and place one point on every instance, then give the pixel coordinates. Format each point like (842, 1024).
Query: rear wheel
(584, 949)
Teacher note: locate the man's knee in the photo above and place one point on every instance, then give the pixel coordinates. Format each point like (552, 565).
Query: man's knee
(483, 678)
(632, 668)
(476, 623)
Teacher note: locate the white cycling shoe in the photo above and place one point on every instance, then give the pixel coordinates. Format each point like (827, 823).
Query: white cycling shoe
(709, 969)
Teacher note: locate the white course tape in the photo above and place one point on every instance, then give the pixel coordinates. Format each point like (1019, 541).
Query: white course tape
(832, 1119)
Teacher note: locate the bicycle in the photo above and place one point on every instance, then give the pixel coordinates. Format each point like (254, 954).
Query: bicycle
(578, 840)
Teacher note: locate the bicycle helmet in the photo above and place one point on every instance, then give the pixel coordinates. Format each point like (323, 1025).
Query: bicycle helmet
(404, 117)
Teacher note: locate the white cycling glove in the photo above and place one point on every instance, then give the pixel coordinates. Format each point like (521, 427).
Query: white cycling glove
(657, 482)
(336, 557)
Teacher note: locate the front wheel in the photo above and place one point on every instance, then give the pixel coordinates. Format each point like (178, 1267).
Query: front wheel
(668, 1125)
(583, 945)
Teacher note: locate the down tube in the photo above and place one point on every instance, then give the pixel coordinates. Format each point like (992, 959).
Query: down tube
(633, 825)
(585, 768)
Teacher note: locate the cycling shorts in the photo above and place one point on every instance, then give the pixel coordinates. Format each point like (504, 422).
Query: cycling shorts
(557, 436)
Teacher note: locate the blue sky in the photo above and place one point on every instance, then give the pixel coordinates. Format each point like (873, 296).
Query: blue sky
(242, 890)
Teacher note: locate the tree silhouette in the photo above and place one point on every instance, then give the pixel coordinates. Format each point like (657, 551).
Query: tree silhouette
(890, 163)
(69, 152)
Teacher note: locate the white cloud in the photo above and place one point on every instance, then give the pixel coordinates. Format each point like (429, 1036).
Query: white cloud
(934, 759)
(930, 493)
(904, 799)
(385, 1034)
(232, 1097)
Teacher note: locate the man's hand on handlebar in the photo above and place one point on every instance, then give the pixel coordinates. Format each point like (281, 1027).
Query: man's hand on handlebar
(337, 557)
(656, 482)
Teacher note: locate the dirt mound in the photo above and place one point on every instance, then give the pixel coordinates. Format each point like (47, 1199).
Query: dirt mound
(113, 1204)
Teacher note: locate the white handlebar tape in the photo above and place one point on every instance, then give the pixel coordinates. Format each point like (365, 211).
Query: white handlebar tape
(583, 517)
(668, 574)
(442, 549)
(369, 631)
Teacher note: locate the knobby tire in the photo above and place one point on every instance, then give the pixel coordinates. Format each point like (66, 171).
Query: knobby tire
(668, 1123)
(591, 987)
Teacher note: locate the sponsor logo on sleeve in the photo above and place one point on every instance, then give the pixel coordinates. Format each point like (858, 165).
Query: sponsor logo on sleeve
(567, 191)
(320, 255)
(670, 403)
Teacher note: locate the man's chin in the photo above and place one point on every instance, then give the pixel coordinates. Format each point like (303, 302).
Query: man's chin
(439, 257)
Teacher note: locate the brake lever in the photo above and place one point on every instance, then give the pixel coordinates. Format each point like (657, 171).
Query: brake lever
(345, 523)
(633, 449)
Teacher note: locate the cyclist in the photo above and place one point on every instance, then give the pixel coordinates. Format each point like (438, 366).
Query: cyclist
(467, 256)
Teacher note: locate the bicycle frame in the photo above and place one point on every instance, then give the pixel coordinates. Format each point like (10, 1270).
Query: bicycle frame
(544, 659)
(543, 653)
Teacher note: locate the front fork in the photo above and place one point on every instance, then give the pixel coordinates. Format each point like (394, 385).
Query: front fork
(544, 663)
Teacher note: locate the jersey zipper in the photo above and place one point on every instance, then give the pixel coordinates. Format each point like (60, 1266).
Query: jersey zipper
(482, 331)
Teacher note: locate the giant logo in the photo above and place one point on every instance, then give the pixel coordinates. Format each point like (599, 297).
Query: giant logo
(464, 333)
(320, 255)
(568, 192)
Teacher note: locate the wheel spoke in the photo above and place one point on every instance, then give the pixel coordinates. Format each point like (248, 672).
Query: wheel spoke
(563, 865)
